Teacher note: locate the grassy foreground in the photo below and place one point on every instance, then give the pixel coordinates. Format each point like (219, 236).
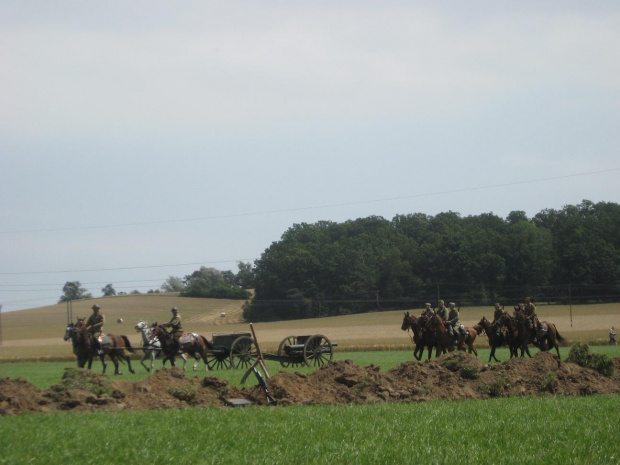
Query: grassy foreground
(46, 374)
(516, 430)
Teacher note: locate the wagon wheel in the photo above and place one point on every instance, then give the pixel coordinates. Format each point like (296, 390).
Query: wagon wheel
(318, 351)
(287, 342)
(243, 352)
(218, 360)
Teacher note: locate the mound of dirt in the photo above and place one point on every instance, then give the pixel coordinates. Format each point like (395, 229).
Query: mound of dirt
(452, 376)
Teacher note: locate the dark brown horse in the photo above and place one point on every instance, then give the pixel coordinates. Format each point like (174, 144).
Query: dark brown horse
(191, 344)
(518, 335)
(422, 336)
(111, 345)
(444, 342)
(495, 340)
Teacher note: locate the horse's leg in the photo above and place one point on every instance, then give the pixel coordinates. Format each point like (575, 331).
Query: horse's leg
(114, 358)
(147, 354)
(128, 360)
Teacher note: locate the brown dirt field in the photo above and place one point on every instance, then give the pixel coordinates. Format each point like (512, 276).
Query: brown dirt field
(451, 377)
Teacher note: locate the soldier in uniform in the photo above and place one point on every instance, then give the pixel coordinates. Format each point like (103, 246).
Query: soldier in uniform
(497, 314)
(453, 321)
(175, 328)
(94, 325)
(442, 311)
(428, 311)
(529, 310)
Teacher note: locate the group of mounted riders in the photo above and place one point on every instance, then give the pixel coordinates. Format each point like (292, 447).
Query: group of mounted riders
(516, 331)
(89, 340)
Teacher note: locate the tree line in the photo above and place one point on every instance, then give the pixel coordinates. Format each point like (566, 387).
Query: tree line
(328, 268)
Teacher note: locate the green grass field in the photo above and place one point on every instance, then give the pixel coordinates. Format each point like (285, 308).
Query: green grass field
(549, 430)
(45, 374)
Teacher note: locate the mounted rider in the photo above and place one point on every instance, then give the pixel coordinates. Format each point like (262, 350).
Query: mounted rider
(442, 311)
(428, 310)
(453, 323)
(94, 325)
(175, 328)
(497, 314)
(529, 310)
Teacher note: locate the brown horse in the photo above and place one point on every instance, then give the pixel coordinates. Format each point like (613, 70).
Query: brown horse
(467, 339)
(444, 342)
(495, 340)
(550, 339)
(518, 335)
(422, 336)
(191, 344)
(111, 345)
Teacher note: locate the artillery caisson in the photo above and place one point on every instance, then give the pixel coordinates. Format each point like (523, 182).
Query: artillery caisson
(311, 350)
(234, 350)
(238, 350)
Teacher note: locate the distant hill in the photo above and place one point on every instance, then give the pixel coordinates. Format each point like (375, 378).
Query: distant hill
(48, 322)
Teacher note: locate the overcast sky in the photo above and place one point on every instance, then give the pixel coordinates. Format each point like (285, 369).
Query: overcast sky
(147, 138)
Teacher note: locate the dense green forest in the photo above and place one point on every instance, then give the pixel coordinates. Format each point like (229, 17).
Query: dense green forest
(329, 268)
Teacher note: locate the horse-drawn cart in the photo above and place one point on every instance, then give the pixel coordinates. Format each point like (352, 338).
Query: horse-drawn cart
(238, 350)
(233, 350)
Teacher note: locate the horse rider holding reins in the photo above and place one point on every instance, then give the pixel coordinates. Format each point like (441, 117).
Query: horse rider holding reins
(175, 328)
(94, 325)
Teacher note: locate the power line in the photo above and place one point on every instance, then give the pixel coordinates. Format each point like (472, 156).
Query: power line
(315, 207)
(127, 267)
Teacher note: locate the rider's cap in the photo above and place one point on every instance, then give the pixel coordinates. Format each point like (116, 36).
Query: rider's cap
(427, 304)
(497, 304)
(452, 304)
(174, 309)
(95, 307)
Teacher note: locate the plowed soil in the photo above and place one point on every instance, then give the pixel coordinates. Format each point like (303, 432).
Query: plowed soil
(452, 376)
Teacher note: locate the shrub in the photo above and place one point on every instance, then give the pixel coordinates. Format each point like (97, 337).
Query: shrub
(580, 355)
(549, 383)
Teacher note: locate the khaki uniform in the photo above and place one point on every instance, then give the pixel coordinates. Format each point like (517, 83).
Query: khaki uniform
(443, 313)
(95, 324)
(176, 328)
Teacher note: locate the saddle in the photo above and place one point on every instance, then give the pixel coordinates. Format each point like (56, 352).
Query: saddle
(188, 338)
(542, 330)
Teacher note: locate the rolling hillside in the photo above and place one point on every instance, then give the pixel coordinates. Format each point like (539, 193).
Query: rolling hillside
(37, 333)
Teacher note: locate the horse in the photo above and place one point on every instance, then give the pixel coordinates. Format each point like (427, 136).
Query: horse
(443, 340)
(422, 337)
(495, 341)
(152, 349)
(191, 344)
(112, 345)
(518, 335)
(467, 339)
(550, 338)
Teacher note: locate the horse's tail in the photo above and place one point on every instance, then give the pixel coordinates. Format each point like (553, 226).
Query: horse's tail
(558, 335)
(206, 342)
(128, 344)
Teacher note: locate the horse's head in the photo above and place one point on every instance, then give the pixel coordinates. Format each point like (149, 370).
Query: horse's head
(483, 322)
(408, 321)
(68, 331)
(80, 324)
(157, 331)
(141, 325)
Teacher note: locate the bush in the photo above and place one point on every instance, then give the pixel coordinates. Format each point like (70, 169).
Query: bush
(580, 355)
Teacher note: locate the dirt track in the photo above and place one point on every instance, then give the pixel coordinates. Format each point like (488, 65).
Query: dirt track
(453, 376)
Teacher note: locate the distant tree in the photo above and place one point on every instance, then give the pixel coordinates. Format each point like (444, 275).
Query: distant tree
(173, 284)
(108, 290)
(200, 281)
(245, 275)
(73, 290)
(135, 291)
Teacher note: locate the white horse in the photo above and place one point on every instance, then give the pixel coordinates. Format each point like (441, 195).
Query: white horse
(151, 349)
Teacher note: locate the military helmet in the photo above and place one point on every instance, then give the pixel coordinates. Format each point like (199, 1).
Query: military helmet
(95, 307)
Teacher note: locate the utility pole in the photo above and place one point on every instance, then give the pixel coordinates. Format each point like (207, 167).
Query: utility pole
(570, 305)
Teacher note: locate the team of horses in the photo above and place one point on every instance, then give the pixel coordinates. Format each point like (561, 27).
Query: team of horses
(155, 340)
(514, 331)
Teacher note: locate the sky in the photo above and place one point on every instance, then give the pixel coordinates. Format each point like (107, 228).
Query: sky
(141, 140)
